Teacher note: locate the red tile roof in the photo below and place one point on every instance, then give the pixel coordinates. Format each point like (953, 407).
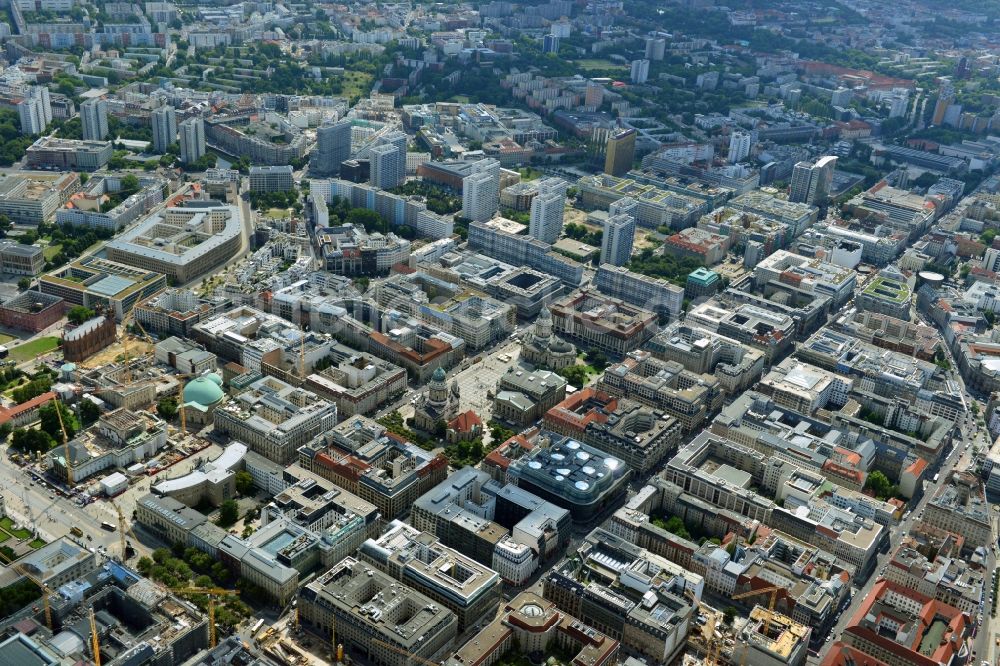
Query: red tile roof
(465, 422)
(6, 414)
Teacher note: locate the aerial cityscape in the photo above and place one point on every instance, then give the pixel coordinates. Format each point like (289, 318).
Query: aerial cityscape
(500, 333)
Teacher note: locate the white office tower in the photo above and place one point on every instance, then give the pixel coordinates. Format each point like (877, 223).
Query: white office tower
(164, 128)
(333, 147)
(640, 71)
(41, 93)
(547, 210)
(739, 146)
(991, 260)
(34, 111)
(398, 139)
(31, 116)
(388, 166)
(94, 118)
(481, 191)
(616, 243)
(192, 140)
(656, 48)
(811, 182)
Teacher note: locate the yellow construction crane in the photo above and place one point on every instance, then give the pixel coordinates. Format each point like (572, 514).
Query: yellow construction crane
(100, 389)
(145, 335)
(126, 320)
(712, 647)
(123, 527)
(399, 650)
(44, 588)
(773, 591)
(212, 592)
(62, 426)
(95, 643)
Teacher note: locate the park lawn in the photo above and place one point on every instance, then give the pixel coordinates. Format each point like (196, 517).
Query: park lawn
(34, 348)
(8, 525)
(37, 543)
(278, 213)
(592, 63)
(356, 84)
(4, 338)
(4, 536)
(51, 251)
(21, 533)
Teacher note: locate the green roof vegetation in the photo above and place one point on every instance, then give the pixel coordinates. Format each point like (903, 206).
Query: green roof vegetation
(888, 289)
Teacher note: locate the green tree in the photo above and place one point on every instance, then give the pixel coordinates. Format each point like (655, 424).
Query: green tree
(79, 314)
(89, 412)
(15, 597)
(369, 219)
(53, 417)
(144, 565)
(244, 483)
(32, 440)
(5, 431)
(24, 283)
(576, 375)
(129, 184)
(879, 484)
(229, 513)
(499, 434)
(729, 614)
(167, 408)
(597, 358)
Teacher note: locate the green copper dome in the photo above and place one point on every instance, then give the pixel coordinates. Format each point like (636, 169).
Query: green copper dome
(203, 390)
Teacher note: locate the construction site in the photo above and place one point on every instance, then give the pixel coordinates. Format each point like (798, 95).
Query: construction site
(110, 614)
(128, 345)
(765, 637)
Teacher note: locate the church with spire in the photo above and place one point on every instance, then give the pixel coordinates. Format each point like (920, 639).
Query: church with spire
(438, 404)
(544, 349)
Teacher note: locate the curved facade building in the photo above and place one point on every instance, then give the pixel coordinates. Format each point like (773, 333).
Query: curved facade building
(181, 242)
(572, 475)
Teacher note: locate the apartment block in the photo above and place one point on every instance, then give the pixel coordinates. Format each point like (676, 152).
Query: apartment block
(600, 322)
(654, 294)
(274, 419)
(664, 385)
(420, 561)
(359, 604)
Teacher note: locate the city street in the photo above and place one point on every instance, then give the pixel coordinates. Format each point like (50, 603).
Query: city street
(960, 457)
(30, 501)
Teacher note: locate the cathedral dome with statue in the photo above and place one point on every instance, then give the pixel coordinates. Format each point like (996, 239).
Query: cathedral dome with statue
(544, 349)
(438, 404)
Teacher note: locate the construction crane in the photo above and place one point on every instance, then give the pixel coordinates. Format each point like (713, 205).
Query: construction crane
(122, 527)
(45, 588)
(84, 390)
(95, 643)
(712, 648)
(62, 427)
(130, 319)
(399, 650)
(212, 592)
(97, 389)
(773, 591)
(145, 335)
